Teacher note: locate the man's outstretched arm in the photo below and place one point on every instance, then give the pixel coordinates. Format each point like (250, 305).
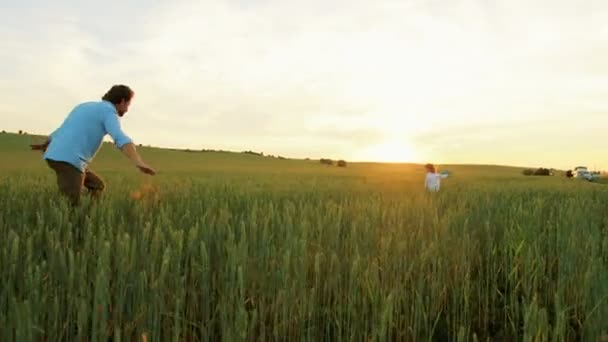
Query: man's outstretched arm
(130, 151)
(124, 143)
(41, 147)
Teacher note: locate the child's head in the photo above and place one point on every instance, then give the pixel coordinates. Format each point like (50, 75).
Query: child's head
(430, 168)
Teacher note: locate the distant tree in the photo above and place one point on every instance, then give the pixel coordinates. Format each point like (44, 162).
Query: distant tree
(326, 161)
(253, 153)
(3, 132)
(20, 132)
(528, 172)
(542, 172)
(569, 174)
(341, 163)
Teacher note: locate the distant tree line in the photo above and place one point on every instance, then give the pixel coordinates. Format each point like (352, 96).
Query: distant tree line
(327, 161)
(261, 154)
(20, 132)
(538, 172)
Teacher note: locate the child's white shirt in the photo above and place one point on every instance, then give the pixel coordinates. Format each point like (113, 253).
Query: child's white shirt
(433, 181)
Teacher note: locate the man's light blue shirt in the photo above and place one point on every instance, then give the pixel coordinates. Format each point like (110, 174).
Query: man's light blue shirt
(80, 136)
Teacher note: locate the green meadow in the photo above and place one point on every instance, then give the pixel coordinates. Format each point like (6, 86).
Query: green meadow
(238, 247)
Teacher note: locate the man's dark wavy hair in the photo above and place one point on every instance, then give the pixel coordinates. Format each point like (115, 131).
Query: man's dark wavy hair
(118, 93)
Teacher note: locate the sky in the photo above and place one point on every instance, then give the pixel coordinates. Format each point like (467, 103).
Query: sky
(507, 82)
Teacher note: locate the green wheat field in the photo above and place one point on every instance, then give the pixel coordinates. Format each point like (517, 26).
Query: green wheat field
(239, 247)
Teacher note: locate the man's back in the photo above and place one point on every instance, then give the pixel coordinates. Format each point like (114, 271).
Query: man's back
(78, 139)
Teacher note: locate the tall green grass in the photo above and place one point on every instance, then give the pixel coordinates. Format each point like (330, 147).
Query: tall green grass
(305, 256)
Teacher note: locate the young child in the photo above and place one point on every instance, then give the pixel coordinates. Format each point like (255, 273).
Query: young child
(433, 179)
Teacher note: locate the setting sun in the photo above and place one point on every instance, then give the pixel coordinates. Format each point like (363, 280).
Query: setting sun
(392, 151)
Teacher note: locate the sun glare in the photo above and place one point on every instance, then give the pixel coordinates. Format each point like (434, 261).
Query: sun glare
(392, 151)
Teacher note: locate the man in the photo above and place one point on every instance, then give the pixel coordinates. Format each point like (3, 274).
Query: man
(71, 147)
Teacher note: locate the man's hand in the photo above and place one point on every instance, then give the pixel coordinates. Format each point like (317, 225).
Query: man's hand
(40, 147)
(130, 151)
(143, 167)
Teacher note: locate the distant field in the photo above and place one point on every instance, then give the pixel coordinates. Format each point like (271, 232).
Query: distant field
(241, 247)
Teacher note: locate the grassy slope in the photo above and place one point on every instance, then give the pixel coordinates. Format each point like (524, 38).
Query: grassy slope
(227, 166)
(15, 149)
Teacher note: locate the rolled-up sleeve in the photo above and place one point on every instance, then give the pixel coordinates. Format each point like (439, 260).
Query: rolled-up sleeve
(112, 126)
